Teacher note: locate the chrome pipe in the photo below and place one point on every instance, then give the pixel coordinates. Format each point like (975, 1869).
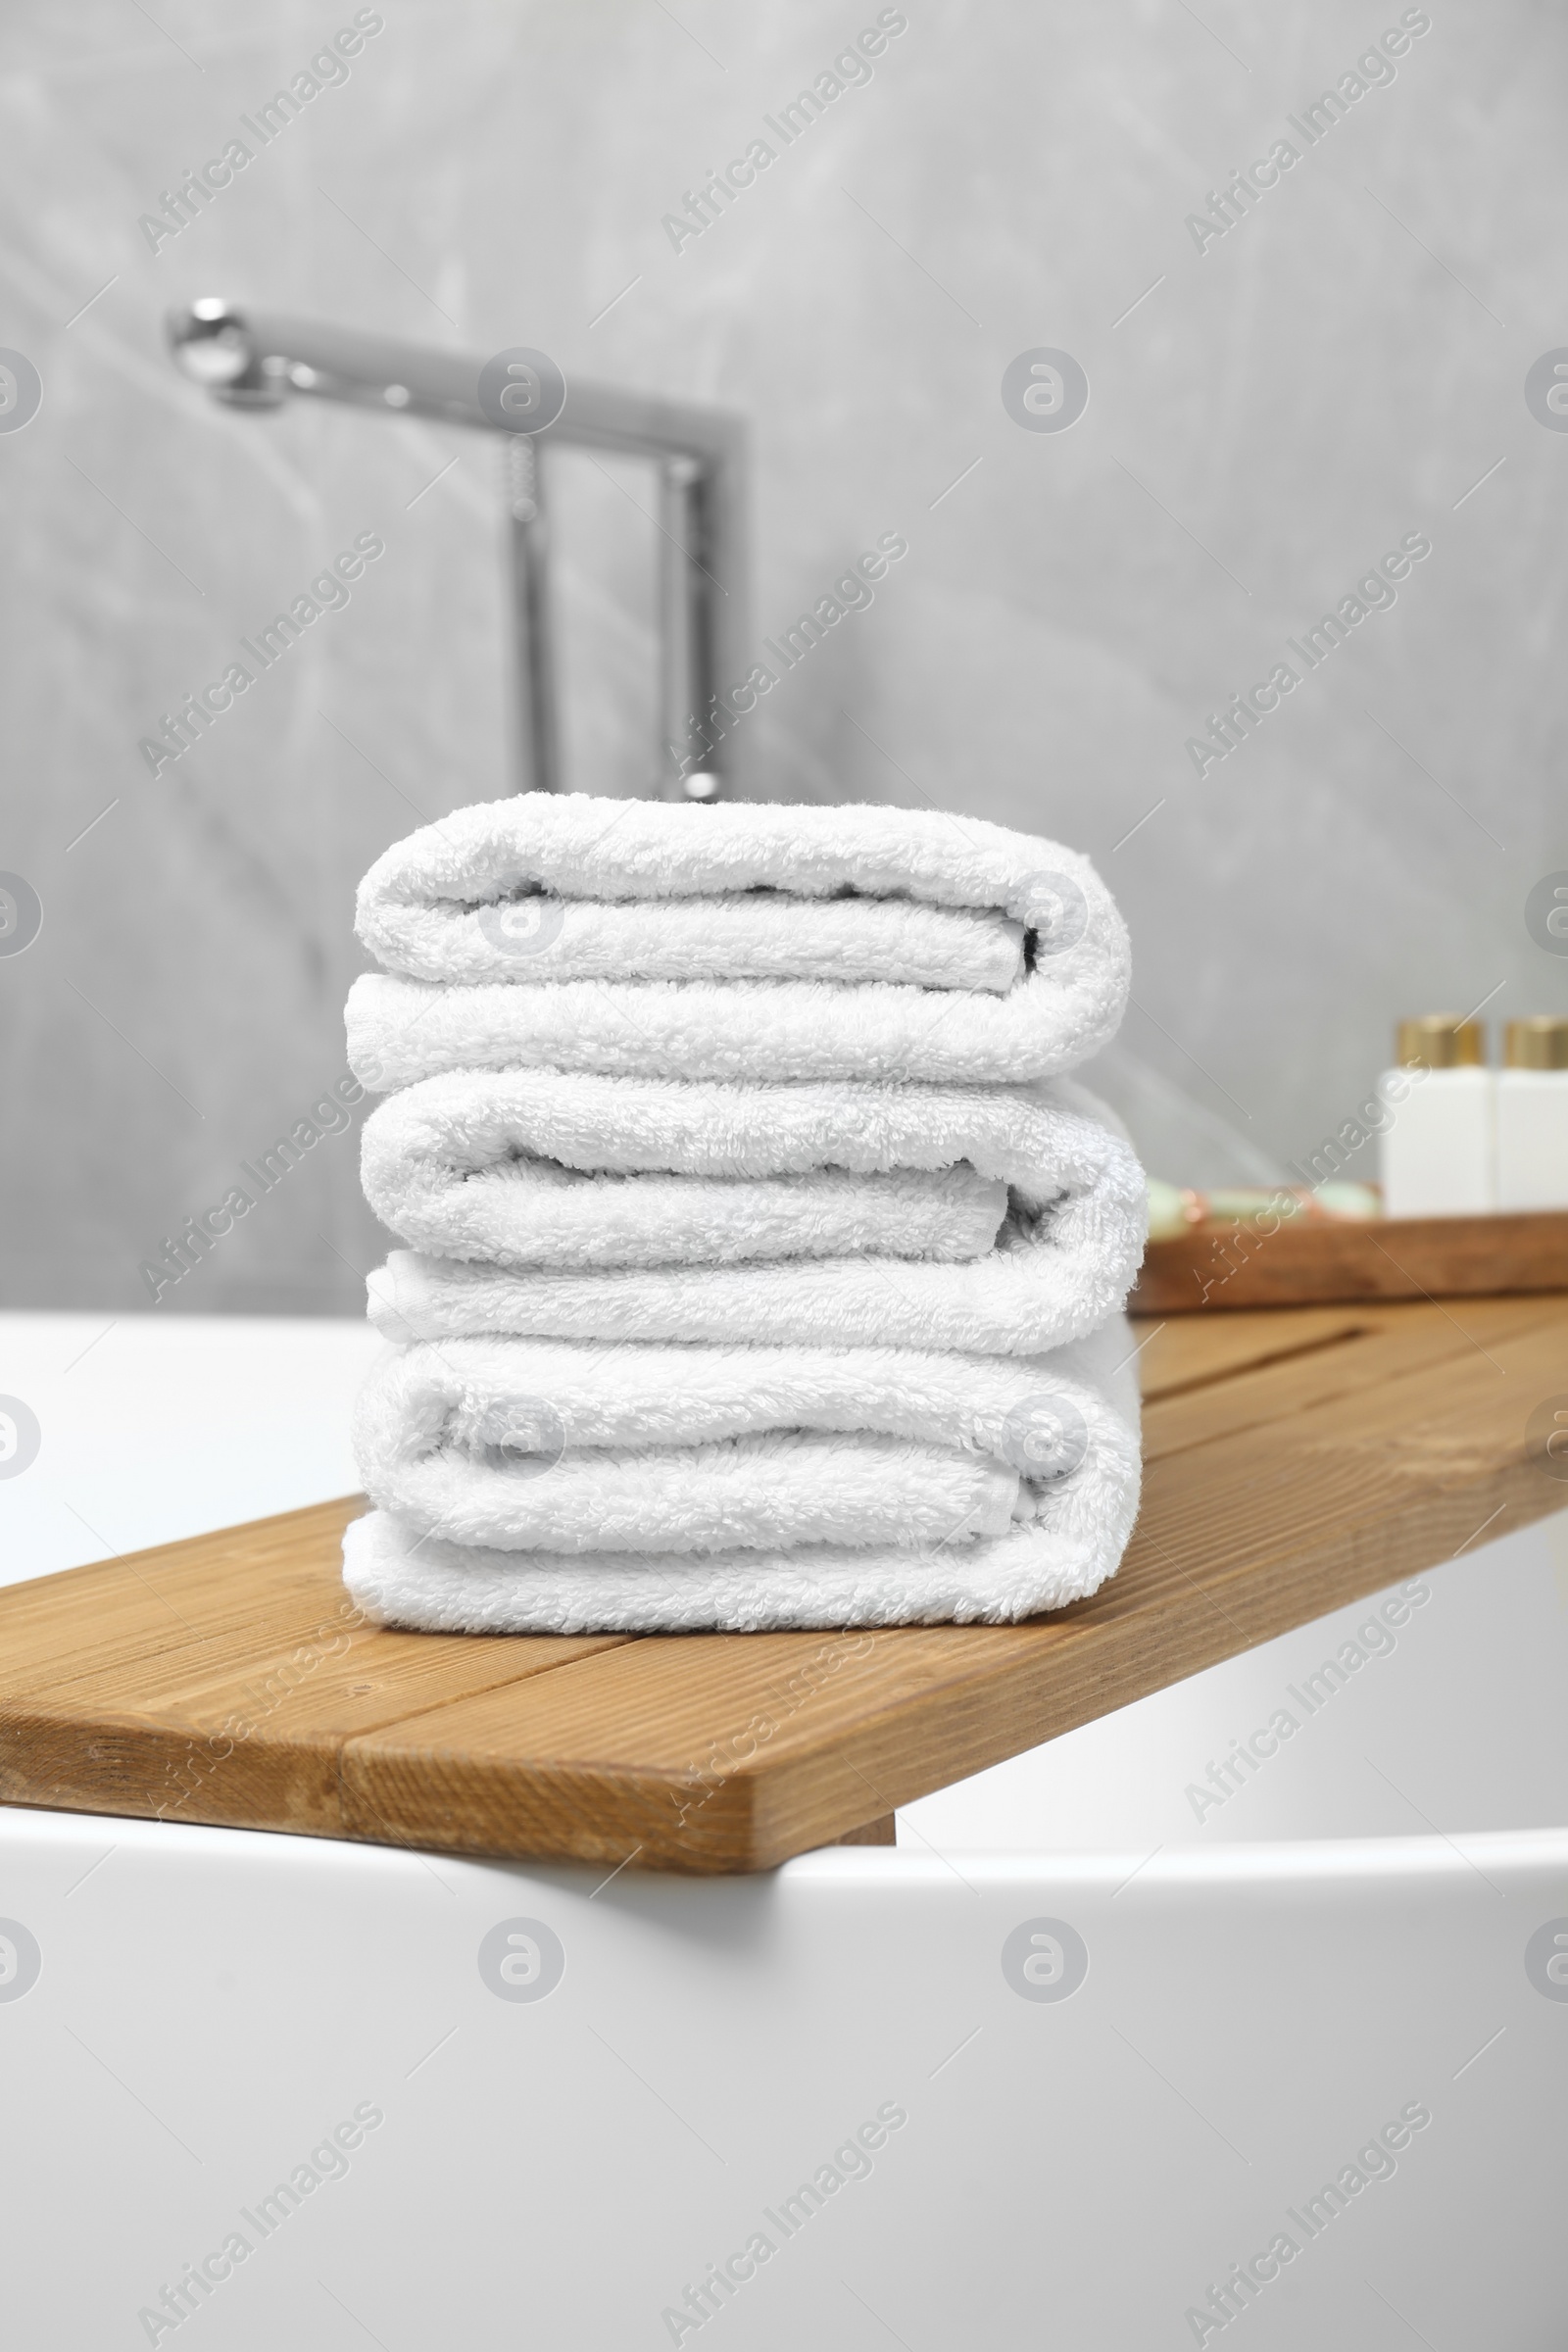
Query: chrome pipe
(257, 359)
(537, 744)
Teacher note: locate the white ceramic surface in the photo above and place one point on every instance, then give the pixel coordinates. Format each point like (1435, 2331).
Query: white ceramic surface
(562, 2170)
(1124, 2063)
(152, 1427)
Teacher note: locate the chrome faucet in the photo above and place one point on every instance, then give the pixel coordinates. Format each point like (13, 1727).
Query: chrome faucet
(255, 360)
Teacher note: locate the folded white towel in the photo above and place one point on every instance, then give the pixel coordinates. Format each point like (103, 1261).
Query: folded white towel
(741, 941)
(539, 1168)
(437, 1171)
(400, 1031)
(531, 1488)
(757, 934)
(741, 891)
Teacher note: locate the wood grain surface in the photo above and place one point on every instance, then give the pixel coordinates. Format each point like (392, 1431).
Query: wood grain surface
(1295, 1460)
(1231, 1266)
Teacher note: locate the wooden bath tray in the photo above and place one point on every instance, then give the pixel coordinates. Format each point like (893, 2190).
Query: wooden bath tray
(1312, 1263)
(1296, 1461)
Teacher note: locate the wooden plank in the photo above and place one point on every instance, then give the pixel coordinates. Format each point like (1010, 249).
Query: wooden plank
(1362, 1349)
(1246, 1532)
(676, 1755)
(1215, 1267)
(221, 1676)
(1176, 1357)
(1295, 1461)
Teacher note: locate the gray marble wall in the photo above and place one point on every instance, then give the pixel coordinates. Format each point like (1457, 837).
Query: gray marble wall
(1270, 411)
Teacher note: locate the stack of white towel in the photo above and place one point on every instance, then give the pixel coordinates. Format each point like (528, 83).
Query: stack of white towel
(764, 1268)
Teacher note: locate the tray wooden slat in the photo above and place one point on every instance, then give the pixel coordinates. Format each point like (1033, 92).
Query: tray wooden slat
(1229, 1266)
(1295, 1460)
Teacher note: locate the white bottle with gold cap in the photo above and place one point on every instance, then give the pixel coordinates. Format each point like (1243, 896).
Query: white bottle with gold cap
(1533, 1115)
(1438, 1151)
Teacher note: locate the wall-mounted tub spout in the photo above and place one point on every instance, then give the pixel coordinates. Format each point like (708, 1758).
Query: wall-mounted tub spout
(256, 359)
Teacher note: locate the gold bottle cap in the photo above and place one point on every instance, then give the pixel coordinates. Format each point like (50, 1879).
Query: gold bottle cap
(1537, 1043)
(1439, 1039)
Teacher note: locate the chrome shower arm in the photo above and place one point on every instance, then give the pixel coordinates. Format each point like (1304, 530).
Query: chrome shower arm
(256, 359)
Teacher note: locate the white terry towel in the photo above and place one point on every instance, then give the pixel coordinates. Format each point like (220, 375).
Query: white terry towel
(543, 1168)
(735, 942)
(757, 934)
(530, 1487)
(1045, 1221)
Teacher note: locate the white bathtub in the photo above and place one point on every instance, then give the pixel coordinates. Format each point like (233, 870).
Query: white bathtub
(1135, 2039)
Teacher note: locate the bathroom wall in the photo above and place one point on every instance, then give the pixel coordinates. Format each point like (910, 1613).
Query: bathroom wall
(1269, 411)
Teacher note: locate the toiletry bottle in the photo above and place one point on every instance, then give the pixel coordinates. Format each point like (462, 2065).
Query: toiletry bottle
(1533, 1115)
(1438, 1151)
